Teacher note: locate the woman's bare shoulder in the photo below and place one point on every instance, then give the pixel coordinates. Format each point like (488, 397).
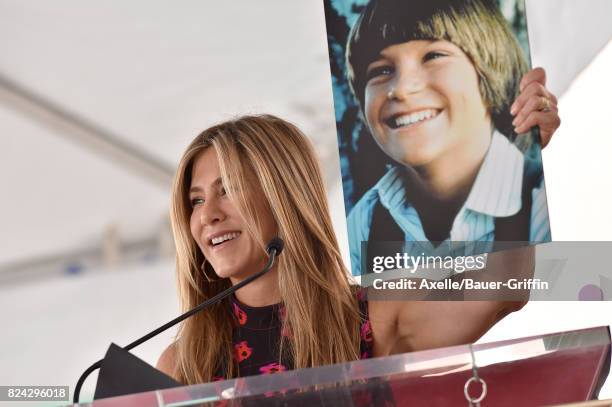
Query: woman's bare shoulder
(167, 361)
(383, 317)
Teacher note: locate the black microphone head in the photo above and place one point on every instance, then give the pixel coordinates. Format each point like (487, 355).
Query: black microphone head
(275, 244)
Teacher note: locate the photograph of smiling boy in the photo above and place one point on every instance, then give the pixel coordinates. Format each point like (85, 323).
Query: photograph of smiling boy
(431, 85)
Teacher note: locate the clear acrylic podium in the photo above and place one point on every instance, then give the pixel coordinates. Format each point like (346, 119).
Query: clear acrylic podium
(543, 370)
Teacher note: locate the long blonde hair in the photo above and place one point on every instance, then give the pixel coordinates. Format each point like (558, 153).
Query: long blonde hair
(321, 308)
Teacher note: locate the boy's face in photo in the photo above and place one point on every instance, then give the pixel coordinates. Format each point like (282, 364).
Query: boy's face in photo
(422, 101)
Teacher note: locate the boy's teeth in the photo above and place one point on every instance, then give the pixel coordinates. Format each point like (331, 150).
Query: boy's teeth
(414, 117)
(225, 237)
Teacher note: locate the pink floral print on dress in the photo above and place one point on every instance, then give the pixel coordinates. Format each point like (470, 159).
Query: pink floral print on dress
(240, 314)
(272, 368)
(242, 351)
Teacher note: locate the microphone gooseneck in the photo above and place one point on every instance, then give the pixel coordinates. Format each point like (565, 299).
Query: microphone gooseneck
(274, 248)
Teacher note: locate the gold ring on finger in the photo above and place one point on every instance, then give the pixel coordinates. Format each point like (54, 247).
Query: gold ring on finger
(545, 105)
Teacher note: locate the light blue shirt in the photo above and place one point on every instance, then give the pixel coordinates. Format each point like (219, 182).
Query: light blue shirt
(496, 193)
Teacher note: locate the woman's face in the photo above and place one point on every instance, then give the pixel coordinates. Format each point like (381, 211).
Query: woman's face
(218, 227)
(422, 101)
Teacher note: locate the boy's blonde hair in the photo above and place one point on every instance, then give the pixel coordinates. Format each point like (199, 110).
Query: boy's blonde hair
(477, 27)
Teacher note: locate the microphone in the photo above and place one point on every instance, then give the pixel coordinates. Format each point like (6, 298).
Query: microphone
(275, 244)
(274, 248)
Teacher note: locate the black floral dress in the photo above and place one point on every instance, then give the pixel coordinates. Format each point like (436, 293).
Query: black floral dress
(258, 332)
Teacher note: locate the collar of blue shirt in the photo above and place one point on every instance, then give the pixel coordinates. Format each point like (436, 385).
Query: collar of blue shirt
(496, 191)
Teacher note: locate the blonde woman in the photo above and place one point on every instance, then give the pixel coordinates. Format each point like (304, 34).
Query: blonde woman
(239, 184)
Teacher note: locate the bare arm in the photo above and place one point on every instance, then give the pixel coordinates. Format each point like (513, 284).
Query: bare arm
(167, 361)
(407, 326)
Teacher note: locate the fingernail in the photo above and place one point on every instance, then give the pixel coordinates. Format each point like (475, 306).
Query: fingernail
(512, 110)
(514, 121)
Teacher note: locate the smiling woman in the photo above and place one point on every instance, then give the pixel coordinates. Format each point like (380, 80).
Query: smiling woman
(218, 227)
(239, 184)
